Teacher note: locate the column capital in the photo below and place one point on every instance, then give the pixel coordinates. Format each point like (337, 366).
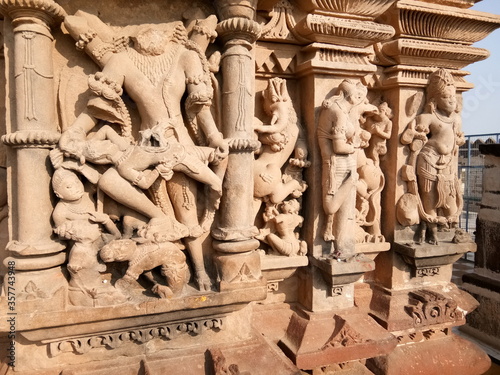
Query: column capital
(44, 12)
(239, 28)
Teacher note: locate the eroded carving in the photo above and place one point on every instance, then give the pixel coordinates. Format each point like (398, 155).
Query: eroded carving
(278, 175)
(76, 219)
(113, 340)
(428, 307)
(371, 178)
(433, 138)
(279, 231)
(143, 258)
(340, 138)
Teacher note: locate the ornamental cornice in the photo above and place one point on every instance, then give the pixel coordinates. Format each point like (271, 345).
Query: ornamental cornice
(348, 32)
(369, 9)
(51, 12)
(412, 18)
(430, 53)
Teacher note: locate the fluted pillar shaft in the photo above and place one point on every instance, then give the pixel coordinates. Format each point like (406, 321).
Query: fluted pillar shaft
(31, 132)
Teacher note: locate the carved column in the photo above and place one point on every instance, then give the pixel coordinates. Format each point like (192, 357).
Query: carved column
(31, 132)
(415, 276)
(236, 258)
(340, 35)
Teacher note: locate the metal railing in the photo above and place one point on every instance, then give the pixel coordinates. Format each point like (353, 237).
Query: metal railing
(470, 170)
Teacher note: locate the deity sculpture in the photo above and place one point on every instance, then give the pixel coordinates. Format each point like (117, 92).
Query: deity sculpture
(434, 138)
(161, 68)
(340, 137)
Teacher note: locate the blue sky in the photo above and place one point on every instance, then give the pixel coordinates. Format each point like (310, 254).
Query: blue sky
(481, 111)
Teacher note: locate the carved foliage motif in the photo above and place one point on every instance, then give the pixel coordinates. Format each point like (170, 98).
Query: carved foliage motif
(114, 340)
(344, 335)
(428, 307)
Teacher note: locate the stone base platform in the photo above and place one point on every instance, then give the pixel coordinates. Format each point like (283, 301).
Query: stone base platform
(449, 355)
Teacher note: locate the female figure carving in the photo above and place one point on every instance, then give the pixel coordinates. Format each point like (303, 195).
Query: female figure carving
(340, 137)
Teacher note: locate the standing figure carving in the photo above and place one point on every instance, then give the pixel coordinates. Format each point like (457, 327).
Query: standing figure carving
(161, 68)
(434, 138)
(340, 137)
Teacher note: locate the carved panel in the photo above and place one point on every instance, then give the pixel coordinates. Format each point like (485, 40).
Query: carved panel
(428, 307)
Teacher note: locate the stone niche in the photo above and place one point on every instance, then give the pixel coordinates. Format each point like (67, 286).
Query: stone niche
(234, 187)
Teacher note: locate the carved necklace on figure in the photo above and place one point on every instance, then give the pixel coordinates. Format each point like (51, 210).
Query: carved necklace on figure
(76, 208)
(442, 118)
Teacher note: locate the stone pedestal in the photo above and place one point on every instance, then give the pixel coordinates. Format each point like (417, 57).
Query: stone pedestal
(484, 283)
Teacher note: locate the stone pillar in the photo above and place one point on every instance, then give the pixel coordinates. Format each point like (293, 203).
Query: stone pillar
(31, 132)
(484, 282)
(339, 35)
(415, 275)
(237, 261)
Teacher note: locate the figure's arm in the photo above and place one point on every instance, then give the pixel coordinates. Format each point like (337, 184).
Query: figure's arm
(105, 220)
(459, 134)
(107, 132)
(340, 145)
(199, 100)
(279, 120)
(92, 35)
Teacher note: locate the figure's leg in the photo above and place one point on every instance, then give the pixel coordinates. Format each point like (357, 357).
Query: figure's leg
(199, 171)
(182, 191)
(283, 190)
(344, 227)
(123, 192)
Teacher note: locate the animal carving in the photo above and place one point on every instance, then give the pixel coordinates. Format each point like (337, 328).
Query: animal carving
(280, 139)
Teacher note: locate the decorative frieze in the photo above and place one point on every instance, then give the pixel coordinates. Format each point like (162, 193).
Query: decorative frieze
(431, 53)
(113, 340)
(427, 271)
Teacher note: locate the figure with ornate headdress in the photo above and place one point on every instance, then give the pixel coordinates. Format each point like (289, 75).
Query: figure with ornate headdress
(434, 138)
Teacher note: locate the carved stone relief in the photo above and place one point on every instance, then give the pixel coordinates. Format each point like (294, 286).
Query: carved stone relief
(145, 185)
(433, 196)
(428, 307)
(278, 183)
(351, 135)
